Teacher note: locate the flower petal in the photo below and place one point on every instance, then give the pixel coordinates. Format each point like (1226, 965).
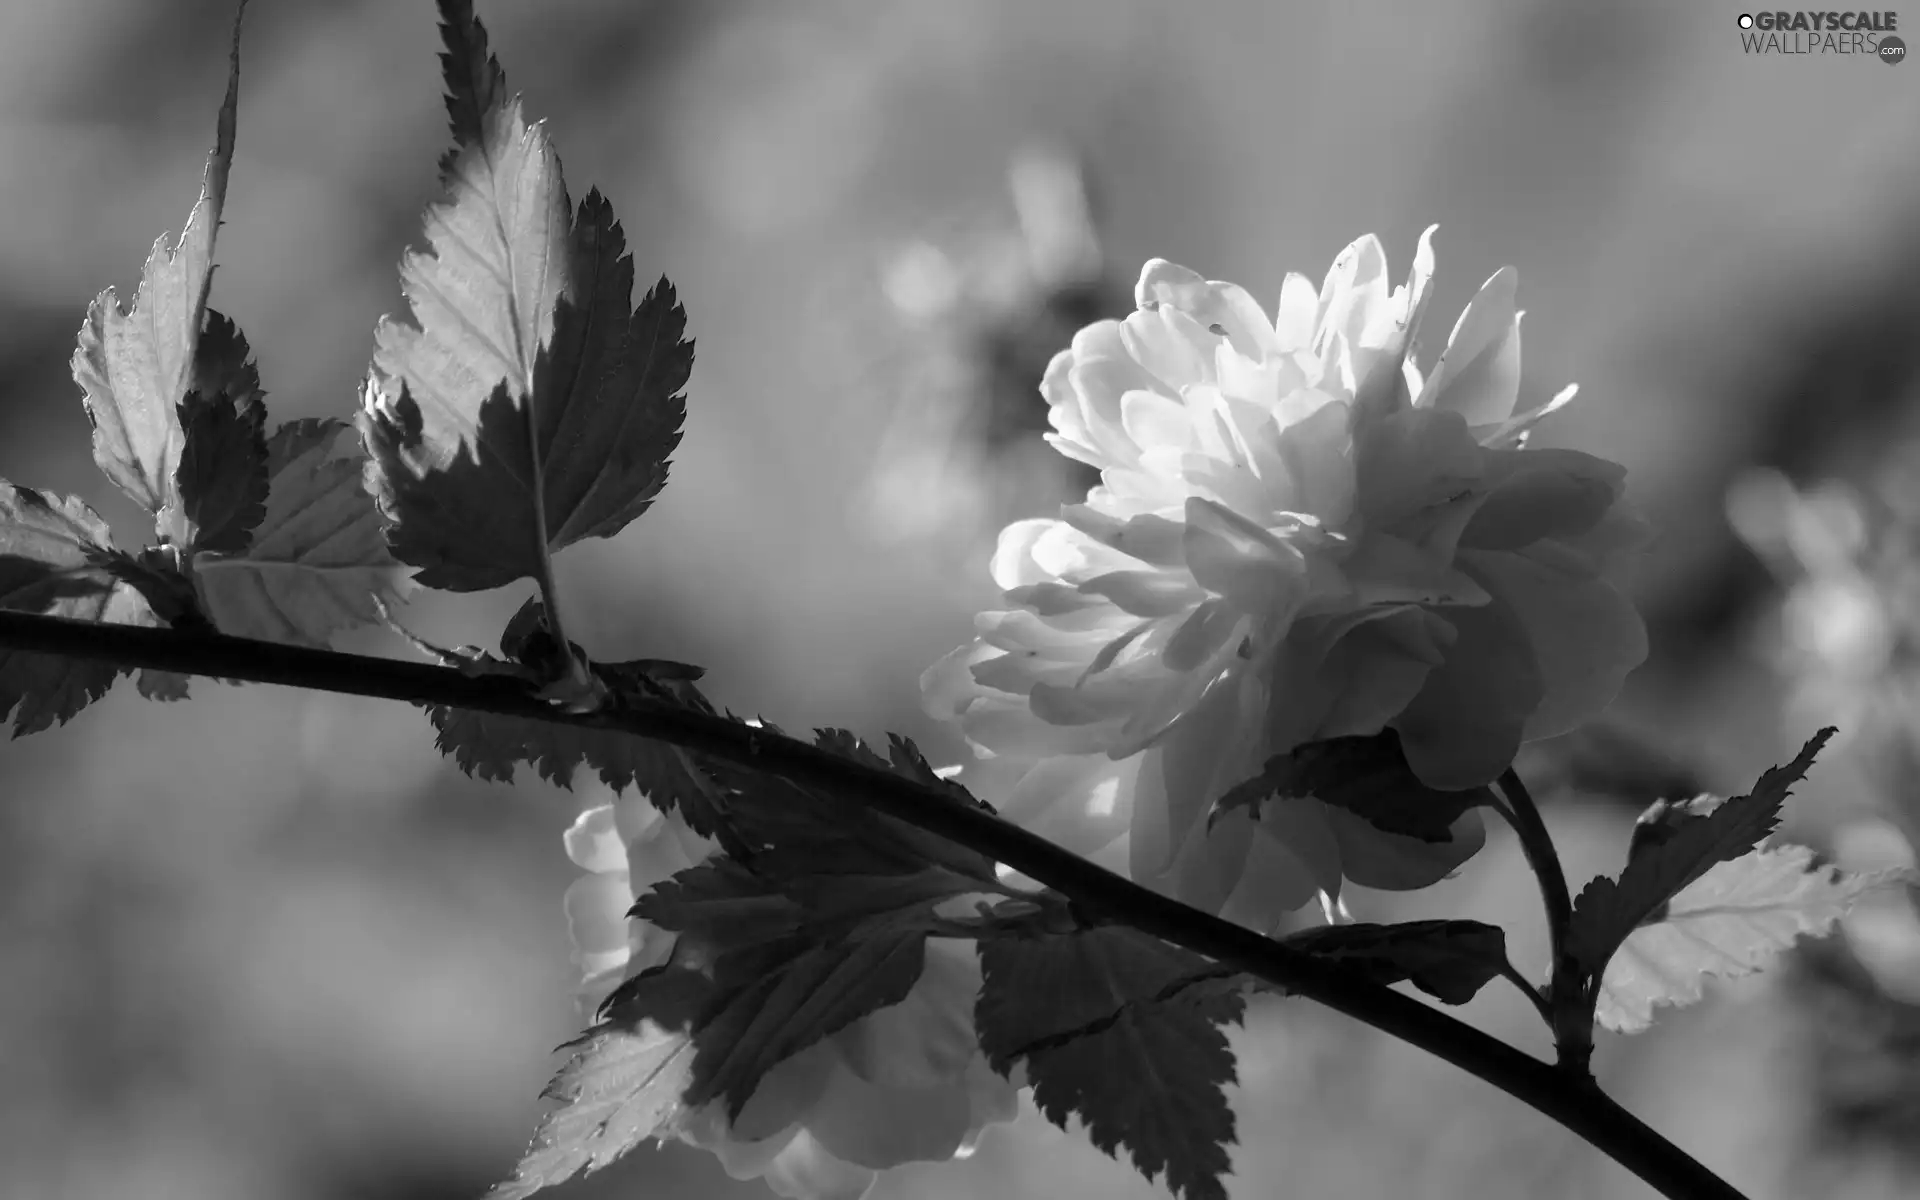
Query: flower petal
(1466, 724)
(1250, 569)
(1209, 303)
(947, 687)
(927, 1039)
(876, 1127)
(1081, 802)
(787, 1094)
(1168, 344)
(806, 1170)
(1299, 313)
(596, 907)
(1537, 494)
(1584, 635)
(1413, 460)
(1291, 858)
(1376, 670)
(593, 842)
(1388, 862)
(1478, 375)
(1214, 746)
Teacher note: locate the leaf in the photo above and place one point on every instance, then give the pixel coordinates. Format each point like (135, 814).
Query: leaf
(475, 83)
(1367, 776)
(1113, 1031)
(1733, 920)
(164, 686)
(770, 1006)
(816, 917)
(317, 562)
(491, 746)
(755, 981)
(220, 486)
(1449, 960)
(1673, 846)
(527, 407)
(717, 799)
(51, 550)
(903, 842)
(53, 561)
(135, 367)
(222, 481)
(578, 454)
(618, 1089)
(156, 574)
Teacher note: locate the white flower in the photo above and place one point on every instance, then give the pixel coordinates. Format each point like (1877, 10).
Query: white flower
(904, 1084)
(1297, 536)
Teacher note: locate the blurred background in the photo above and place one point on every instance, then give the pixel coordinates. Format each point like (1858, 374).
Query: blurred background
(266, 944)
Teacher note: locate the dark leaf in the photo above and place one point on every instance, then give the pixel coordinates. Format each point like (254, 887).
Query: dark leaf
(1367, 776)
(1123, 1031)
(1673, 846)
(1448, 960)
(134, 367)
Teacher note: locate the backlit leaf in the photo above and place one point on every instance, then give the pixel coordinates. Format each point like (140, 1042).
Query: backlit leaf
(1733, 920)
(316, 562)
(1115, 1027)
(135, 367)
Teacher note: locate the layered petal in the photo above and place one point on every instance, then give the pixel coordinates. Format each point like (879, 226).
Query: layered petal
(905, 1083)
(1299, 534)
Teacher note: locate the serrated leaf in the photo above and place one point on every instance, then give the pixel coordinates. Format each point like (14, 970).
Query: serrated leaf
(491, 746)
(220, 486)
(1100, 1018)
(134, 367)
(53, 561)
(156, 574)
(721, 901)
(620, 1088)
(751, 1005)
(817, 918)
(526, 407)
(52, 549)
(1733, 920)
(317, 562)
(903, 842)
(42, 690)
(475, 83)
(164, 686)
(1367, 776)
(1449, 960)
(1674, 847)
(482, 491)
(222, 481)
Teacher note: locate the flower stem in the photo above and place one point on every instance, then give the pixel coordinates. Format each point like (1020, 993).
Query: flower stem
(1573, 1101)
(1512, 975)
(1571, 1021)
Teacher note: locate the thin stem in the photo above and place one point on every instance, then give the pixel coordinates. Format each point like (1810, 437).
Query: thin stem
(1575, 1103)
(1572, 1027)
(1512, 975)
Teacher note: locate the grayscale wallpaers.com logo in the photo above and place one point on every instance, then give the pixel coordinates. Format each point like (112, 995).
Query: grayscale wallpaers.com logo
(1867, 34)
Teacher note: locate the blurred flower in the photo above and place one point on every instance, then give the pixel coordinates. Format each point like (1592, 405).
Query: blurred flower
(959, 449)
(1882, 928)
(1846, 627)
(907, 1083)
(1297, 536)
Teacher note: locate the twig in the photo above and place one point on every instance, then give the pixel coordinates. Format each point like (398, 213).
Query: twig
(1578, 1105)
(1572, 1024)
(1509, 973)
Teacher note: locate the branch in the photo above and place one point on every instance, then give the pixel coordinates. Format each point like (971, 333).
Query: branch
(1572, 1022)
(1577, 1104)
